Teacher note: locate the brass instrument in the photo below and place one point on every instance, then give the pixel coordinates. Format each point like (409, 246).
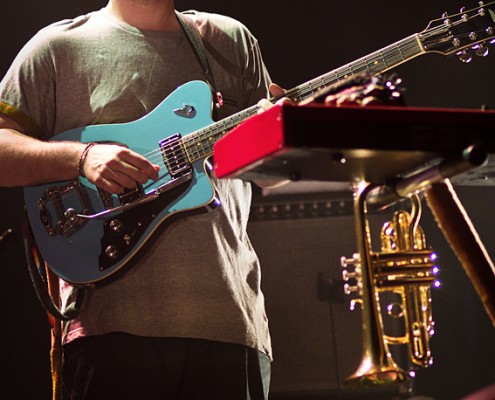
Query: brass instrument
(404, 267)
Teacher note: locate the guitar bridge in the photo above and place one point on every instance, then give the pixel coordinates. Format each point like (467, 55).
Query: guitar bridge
(174, 156)
(66, 203)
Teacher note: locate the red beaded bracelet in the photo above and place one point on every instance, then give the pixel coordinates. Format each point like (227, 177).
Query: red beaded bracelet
(84, 154)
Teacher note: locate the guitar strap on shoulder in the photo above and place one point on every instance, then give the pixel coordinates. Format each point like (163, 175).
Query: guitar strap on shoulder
(196, 42)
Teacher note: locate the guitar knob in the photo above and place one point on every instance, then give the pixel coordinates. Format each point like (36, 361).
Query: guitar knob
(112, 252)
(116, 226)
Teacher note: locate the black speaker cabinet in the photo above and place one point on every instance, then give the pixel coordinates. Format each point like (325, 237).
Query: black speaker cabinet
(316, 337)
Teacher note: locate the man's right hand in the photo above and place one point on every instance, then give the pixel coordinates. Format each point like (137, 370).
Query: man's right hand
(114, 168)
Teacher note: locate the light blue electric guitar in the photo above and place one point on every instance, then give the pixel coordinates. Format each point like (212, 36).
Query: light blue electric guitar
(86, 235)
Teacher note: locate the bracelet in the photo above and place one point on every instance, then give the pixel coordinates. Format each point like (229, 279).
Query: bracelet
(82, 159)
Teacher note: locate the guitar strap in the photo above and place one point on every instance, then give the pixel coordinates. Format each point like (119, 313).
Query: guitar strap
(46, 286)
(41, 280)
(196, 42)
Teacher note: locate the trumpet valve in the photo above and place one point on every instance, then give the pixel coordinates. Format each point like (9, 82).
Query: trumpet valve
(349, 289)
(346, 261)
(347, 275)
(352, 278)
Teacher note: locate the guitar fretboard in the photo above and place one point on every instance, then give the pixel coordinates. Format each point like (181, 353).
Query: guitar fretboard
(375, 63)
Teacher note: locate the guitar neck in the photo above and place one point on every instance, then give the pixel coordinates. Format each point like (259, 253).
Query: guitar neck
(199, 145)
(375, 63)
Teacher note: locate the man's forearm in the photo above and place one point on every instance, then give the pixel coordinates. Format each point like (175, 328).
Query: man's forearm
(26, 161)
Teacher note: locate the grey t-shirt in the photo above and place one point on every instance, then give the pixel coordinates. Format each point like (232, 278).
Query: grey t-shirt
(201, 278)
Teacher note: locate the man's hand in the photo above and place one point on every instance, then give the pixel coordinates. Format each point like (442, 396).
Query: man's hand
(115, 168)
(276, 90)
(278, 93)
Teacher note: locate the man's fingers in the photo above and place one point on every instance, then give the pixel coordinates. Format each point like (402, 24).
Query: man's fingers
(138, 167)
(263, 105)
(114, 168)
(276, 90)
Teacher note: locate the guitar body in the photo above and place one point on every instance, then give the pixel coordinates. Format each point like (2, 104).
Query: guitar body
(84, 251)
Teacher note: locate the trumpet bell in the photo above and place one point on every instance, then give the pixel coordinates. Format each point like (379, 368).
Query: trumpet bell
(371, 373)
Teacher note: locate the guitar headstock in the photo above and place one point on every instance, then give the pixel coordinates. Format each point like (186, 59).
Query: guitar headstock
(456, 34)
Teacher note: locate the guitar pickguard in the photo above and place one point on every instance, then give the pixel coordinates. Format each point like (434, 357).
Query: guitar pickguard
(123, 233)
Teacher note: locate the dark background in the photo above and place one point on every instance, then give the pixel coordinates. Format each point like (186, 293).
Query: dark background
(299, 40)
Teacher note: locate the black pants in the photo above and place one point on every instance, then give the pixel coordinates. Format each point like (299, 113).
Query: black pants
(122, 366)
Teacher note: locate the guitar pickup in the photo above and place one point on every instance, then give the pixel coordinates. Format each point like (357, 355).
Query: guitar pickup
(131, 195)
(174, 156)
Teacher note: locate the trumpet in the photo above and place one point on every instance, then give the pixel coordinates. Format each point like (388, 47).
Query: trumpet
(404, 267)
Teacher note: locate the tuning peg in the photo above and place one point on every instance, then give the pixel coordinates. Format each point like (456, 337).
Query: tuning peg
(490, 32)
(447, 21)
(481, 11)
(464, 56)
(480, 50)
